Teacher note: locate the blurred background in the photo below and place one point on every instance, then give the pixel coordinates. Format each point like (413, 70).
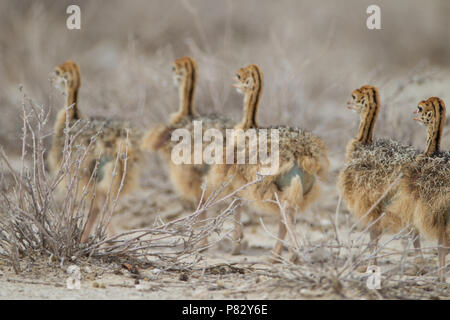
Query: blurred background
(312, 53)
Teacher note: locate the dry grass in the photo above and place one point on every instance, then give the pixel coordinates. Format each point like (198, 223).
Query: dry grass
(34, 217)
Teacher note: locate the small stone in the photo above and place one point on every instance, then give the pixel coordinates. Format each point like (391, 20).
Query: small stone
(156, 271)
(95, 284)
(325, 223)
(74, 272)
(183, 277)
(307, 292)
(140, 287)
(320, 255)
(220, 283)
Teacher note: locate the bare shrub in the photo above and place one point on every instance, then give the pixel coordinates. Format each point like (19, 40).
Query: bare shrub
(329, 267)
(35, 217)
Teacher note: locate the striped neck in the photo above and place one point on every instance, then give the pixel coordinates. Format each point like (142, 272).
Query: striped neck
(251, 101)
(365, 133)
(435, 130)
(72, 86)
(72, 100)
(186, 92)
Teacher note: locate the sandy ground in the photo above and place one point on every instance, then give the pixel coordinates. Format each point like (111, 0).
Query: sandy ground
(218, 274)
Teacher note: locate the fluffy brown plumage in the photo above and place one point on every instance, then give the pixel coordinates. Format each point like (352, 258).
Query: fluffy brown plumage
(109, 143)
(298, 150)
(368, 173)
(187, 179)
(371, 167)
(425, 187)
(302, 158)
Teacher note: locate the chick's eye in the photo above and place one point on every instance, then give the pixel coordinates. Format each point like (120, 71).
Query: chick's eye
(57, 72)
(173, 68)
(354, 97)
(238, 76)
